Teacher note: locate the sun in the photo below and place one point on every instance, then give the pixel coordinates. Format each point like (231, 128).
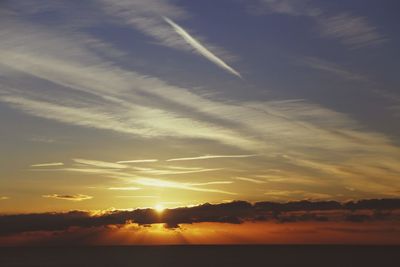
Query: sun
(159, 208)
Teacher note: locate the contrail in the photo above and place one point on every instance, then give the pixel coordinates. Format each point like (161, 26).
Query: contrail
(137, 161)
(212, 157)
(48, 164)
(200, 48)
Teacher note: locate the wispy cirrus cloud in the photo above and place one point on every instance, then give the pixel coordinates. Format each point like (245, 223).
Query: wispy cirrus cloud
(200, 48)
(76, 197)
(296, 195)
(101, 164)
(86, 90)
(137, 196)
(50, 164)
(155, 18)
(113, 169)
(135, 175)
(332, 68)
(212, 157)
(127, 173)
(4, 198)
(351, 30)
(251, 180)
(146, 16)
(158, 171)
(177, 185)
(109, 172)
(213, 182)
(288, 7)
(137, 161)
(127, 188)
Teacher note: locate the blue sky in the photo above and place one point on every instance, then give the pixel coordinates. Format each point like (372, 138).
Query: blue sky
(270, 99)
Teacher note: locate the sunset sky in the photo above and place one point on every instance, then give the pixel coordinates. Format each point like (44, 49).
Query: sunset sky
(129, 104)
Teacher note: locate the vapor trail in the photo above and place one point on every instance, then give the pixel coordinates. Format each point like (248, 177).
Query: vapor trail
(201, 49)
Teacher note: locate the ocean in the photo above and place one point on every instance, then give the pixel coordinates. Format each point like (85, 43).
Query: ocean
(202, 255)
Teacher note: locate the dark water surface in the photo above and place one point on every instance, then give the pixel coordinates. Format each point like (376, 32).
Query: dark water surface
(321, 256)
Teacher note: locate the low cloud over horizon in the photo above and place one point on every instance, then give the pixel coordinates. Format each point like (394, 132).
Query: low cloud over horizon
(235, 212)
(372, 221)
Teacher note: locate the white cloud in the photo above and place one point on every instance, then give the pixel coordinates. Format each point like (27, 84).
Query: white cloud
(318, 141)
(152, 18)
(137, 161)
(288, 7)
(176, 185)
(137, 196)
(251, 180)
(150, 171)
(101, 164)
(351, 30)
(201, 49)
(128, 188)
(296, 195)
(211, 183)
(332, 68)
(50, 164)
(212, 157)
(146, 16)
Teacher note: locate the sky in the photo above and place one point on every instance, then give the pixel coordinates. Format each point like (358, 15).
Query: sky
(129, 104)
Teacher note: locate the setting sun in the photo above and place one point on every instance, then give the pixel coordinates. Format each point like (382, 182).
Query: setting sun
(159, 208)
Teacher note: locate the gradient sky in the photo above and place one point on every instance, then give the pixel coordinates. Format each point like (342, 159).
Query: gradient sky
(125, 104)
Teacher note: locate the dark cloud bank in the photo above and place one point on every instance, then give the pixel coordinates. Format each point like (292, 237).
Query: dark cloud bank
(234, 212)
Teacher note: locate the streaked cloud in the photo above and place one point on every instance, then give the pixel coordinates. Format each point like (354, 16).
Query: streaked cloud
(127, 188)
(212, 157)
(296, 195)
(114, 170)
(201, 49)
(288, 7)
(50, 164)
(4, 198)
(213, 182)
(351, 30)
(101, 164)
(150, 171)
(183, 168)
(137, 196)
(151, 18)
(292, 178)
(76, 197)
(251, 180)
(332, 68)
(138, 161)
(176, 185)
(87, 90)
(110, 172)
(64, 71)
(41, 139)
(146, 16)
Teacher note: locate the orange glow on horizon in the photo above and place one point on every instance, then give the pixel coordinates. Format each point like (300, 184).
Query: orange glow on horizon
(222, 233)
